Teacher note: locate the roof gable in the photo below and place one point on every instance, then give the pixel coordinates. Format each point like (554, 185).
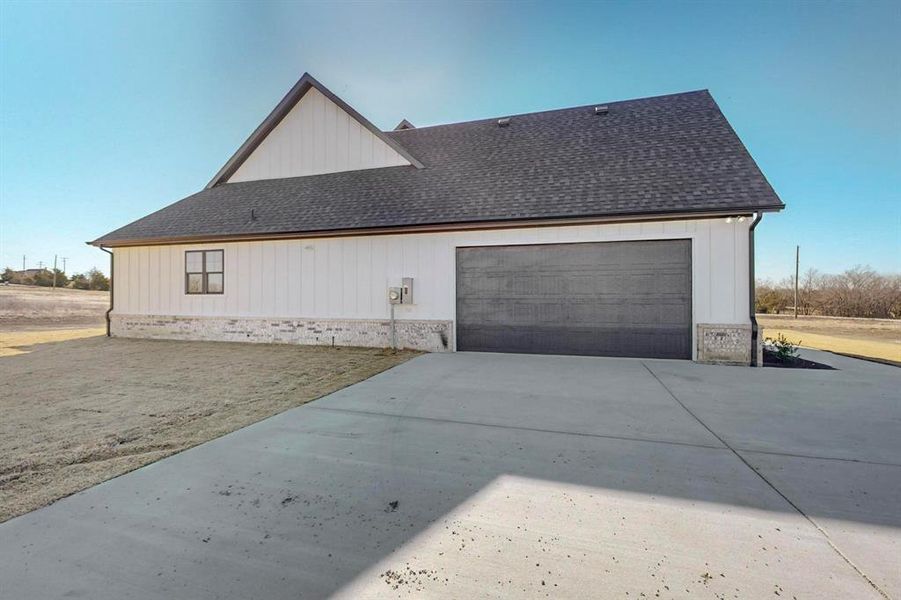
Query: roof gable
(312, 132)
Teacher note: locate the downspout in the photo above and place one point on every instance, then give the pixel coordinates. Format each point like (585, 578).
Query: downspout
(112, 259)
(752, 290)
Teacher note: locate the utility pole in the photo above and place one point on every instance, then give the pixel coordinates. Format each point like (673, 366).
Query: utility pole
(64, 259)
(54, 280)
(23, 262)
(797, 260)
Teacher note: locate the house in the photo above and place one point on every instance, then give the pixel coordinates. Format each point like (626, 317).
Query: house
(28, 273)
(622, 229)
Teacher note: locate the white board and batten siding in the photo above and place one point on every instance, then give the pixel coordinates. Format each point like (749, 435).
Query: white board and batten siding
(316, 136)
(348, 277)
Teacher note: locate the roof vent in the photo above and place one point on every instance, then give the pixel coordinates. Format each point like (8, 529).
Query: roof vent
(505, 122)
(404, 124)
(600, 110)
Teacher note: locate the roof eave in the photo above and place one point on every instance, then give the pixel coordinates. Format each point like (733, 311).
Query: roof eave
(442, 227)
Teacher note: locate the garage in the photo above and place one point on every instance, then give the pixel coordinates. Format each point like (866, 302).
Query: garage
(600, 298)
(640, 255)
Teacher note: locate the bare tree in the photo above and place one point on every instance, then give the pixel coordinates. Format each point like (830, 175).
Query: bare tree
(858, 292)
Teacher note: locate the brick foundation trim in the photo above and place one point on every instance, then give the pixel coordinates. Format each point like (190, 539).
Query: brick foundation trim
(428, 335)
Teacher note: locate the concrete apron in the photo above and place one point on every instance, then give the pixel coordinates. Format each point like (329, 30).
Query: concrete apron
(472, 475)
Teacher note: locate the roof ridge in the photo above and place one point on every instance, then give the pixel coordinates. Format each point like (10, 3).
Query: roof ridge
(551, 110)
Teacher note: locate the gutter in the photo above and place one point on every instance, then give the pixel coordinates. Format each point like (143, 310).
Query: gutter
(112, 260)
(752, 291)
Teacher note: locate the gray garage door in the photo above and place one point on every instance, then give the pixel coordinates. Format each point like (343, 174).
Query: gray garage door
(600, 299)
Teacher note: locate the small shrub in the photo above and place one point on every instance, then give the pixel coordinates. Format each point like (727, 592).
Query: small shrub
(782, 347)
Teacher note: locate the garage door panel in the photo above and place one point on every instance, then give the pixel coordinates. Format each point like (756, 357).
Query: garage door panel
(605, 298)
(613, 314)
(601, 341)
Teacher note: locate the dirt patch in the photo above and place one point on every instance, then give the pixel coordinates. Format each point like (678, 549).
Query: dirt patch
(32, 308)
(78, 412)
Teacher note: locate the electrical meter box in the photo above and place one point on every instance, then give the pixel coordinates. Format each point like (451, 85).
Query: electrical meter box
(402, 294)
(406, 291)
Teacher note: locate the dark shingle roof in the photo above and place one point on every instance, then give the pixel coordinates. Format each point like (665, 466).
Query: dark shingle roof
(668, 154)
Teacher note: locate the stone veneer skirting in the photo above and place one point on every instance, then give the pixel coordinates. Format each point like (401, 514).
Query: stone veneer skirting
(431, 336)
(724, 344)
(717, 343)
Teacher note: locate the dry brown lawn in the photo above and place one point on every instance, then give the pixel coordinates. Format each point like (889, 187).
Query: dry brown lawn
(870, 338)
(22, 342)
(78, 412)
(30, 308)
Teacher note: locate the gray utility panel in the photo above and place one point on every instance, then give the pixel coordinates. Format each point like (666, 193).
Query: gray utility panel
(599, 298)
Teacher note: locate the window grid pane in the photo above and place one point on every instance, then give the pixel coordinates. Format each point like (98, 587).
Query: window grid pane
(214, 283)
(214, 261)
(204, 272)
(194, 262)
(195, 283)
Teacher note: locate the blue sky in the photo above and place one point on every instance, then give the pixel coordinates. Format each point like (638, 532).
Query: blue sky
(110, 111)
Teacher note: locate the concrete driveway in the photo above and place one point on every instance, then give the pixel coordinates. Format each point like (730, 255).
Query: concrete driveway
(474, 475)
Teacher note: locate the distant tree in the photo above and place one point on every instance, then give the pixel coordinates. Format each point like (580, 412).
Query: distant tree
(42, 278)
(80, 281)
(7, 276)
(858, 292)
(770, 300)
(45, 278)
(98, 281)
(810, 288)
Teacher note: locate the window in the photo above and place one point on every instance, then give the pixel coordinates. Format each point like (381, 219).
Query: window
(204, 272)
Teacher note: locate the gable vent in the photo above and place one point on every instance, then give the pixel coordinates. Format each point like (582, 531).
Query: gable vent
(600, 110)
(503, 122)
